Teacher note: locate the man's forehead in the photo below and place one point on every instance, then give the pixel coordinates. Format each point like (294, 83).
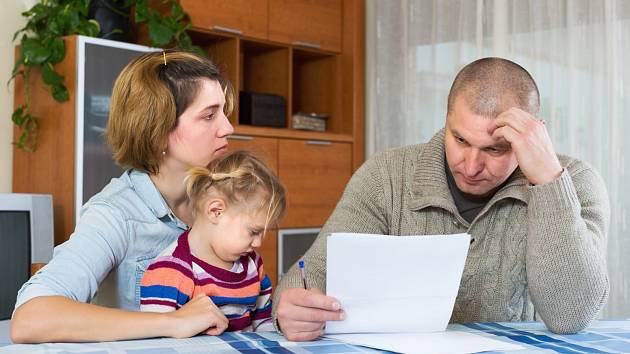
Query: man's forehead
(476, 130)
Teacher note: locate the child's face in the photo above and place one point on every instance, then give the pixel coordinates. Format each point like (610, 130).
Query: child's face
(238, 231)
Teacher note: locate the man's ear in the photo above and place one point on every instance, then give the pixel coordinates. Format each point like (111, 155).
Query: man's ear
(215, 208)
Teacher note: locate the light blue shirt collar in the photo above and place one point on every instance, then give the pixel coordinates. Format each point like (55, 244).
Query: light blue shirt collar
(148, 192)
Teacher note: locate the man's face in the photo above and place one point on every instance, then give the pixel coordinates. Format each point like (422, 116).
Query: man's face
(478, 162)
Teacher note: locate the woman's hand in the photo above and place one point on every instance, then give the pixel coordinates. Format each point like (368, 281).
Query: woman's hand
(198, 315)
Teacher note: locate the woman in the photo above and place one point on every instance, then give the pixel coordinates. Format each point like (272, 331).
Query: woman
(168, 113)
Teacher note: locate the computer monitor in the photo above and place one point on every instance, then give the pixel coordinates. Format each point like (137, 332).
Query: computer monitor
(26, 237)
(292, 244)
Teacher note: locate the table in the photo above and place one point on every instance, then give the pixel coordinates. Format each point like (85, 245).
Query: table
(601, 337)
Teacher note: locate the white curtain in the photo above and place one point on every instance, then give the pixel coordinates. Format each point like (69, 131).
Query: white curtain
(574, 49)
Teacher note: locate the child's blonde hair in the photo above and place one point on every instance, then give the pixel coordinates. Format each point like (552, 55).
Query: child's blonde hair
(237, 176)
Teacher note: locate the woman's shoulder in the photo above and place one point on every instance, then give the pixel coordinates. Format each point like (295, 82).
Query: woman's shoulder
(127, 196)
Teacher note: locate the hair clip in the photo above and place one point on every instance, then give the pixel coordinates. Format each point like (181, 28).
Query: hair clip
(164, 55)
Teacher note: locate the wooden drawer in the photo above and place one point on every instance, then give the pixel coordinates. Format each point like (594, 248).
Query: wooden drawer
(315, 174)
(306, 22)
(265, 148)
(246, 17)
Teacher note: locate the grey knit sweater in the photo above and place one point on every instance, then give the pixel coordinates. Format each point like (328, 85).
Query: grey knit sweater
(537, 248)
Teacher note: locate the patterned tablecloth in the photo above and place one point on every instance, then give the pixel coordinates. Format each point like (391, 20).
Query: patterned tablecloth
(600, 337)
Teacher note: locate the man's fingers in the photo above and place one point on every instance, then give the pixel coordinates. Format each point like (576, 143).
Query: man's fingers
(506, 132)
(308, 314)
(309, 298)
(516, 118)
(303, 336)
(303, 326)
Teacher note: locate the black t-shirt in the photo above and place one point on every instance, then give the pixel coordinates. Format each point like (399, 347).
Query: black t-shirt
(469, 206)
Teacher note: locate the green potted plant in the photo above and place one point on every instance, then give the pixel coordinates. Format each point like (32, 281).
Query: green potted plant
(41, 45)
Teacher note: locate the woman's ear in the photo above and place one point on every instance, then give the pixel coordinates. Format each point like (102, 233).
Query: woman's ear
(215, 208)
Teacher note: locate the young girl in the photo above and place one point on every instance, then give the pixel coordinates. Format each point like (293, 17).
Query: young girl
(235, 199)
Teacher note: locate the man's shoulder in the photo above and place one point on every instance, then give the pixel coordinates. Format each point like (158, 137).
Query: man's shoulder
(400, 155)
(574, 165)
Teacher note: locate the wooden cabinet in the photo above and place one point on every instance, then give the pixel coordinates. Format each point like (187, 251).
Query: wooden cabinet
(72, 161)
(306, 23)
(265, 148)
(315, 174)
(246, 17)
(314, 166)
(302, 23)
(268, 251)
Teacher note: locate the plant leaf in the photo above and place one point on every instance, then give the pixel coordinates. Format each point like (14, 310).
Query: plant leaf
(34, 51)
(60, 93)
(177, 13)
(57, 50)
(142, 11)
(160, 35)
(17, 116)
(50, 76)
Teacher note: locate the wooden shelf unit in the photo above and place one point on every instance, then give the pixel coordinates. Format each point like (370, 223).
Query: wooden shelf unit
(314, 166)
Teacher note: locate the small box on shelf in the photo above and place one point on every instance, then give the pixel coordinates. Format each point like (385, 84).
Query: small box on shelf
(309, 121)
(262, 109)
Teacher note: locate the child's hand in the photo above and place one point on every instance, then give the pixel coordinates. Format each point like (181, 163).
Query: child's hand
(198, 315)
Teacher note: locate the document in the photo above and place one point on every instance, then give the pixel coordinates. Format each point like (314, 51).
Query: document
(451, 342)
(398, 293)
(394, 284)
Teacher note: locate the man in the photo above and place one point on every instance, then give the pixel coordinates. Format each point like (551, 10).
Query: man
(538, 220)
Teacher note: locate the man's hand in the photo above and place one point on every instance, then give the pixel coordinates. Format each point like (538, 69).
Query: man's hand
(198, 315)
(302, 314)
(529, 139)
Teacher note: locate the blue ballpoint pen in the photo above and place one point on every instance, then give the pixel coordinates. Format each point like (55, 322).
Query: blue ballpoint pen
(301, 264)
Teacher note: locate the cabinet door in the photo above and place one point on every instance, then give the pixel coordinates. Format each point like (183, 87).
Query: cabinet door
(315, 174)
(265, 148)
(246, 17)
(306, 22)
(269, 253)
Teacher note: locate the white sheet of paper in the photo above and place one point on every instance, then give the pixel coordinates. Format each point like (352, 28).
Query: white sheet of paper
(434, 343)
(394, 284)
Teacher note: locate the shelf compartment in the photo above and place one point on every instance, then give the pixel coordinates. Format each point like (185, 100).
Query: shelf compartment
(264, 68)
(316, 86)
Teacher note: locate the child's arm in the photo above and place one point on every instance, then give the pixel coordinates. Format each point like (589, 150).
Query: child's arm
(262, 312)
(164, 288)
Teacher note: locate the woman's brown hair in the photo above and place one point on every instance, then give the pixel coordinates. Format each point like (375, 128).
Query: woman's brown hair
(237, 176)
(148, 96)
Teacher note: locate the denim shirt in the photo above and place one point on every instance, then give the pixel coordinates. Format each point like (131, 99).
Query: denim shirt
(120, 230)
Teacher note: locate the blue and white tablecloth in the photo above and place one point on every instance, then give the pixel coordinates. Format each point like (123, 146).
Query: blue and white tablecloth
(600, 337)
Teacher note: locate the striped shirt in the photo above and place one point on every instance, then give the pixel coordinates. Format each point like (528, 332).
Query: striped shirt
(243, 293)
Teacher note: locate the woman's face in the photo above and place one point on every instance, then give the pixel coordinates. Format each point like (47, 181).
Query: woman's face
(202, 129)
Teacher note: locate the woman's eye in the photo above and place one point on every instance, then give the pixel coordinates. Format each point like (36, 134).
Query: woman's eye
(210, 116)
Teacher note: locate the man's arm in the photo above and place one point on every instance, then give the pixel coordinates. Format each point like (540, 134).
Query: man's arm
(566, 249)
(361, 209)
(568, 216)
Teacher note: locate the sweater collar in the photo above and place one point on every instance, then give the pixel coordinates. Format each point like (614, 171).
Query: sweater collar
(430, 186)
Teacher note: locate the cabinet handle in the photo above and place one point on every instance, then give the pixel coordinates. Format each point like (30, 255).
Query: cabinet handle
(227, 29)
(307, 44)
(241, 137)
(318, 142)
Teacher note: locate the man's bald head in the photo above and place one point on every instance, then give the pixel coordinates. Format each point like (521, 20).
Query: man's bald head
(490, 86)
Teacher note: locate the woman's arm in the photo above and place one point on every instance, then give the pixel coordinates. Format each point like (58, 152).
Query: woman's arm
(59, 319)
